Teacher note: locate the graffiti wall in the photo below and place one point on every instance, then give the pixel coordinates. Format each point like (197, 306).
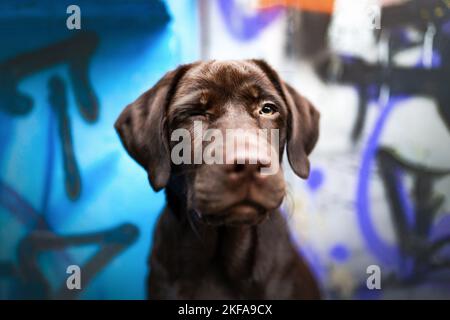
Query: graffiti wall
(68, 194)
(378, 193)
(378, 196)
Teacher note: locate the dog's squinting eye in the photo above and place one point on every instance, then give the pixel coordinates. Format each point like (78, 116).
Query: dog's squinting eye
(197, 114)
(268, 109)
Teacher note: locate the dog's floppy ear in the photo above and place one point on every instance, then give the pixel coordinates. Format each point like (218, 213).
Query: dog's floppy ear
(302, 125)
(303, 131)
(142, 128)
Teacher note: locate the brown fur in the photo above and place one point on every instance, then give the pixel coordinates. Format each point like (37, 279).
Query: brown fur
(221, 234)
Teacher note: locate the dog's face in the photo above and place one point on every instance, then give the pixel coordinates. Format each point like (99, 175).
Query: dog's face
(224, 100)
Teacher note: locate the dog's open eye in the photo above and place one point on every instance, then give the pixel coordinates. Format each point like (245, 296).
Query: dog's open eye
(268, 109)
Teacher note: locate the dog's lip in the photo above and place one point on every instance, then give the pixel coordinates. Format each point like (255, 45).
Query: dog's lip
(242, 203)
(248, 211)
(248, 203)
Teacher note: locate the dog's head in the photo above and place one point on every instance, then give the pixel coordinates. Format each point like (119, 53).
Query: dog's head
(180, 131)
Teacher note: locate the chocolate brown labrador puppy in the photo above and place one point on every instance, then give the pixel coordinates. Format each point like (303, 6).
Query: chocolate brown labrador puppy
(221, 235)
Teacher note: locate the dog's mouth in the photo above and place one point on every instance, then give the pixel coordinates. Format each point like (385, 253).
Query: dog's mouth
(245, 212)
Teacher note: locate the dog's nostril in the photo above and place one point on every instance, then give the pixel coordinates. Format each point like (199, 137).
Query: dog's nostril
(237, 168)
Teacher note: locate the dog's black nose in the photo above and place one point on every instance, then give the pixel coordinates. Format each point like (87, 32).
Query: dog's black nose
(251, 157)
(248, 169)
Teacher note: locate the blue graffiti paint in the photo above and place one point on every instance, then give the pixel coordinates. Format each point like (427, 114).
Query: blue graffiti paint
(145, 54)
(6, 130)
(17, 205)
(49, 165)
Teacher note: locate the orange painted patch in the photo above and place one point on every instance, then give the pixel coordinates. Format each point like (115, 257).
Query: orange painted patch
(324, 6)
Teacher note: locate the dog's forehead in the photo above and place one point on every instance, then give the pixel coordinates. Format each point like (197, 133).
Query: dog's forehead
(225, 75)
(227, 67)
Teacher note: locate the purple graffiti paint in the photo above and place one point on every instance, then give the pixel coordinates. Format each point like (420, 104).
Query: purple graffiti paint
(340, 253)
(385, 252)
(446, 27)
(244, 26)
(441, 229)
(365, 294)
(315, 179)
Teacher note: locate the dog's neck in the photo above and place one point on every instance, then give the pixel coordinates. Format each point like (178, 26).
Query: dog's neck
(245, 255)
(232, 248)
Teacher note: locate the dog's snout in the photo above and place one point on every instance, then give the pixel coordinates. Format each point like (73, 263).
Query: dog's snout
(247, 167)
(249, 159)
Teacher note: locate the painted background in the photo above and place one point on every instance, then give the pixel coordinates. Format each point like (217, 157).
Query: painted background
(379, 190)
